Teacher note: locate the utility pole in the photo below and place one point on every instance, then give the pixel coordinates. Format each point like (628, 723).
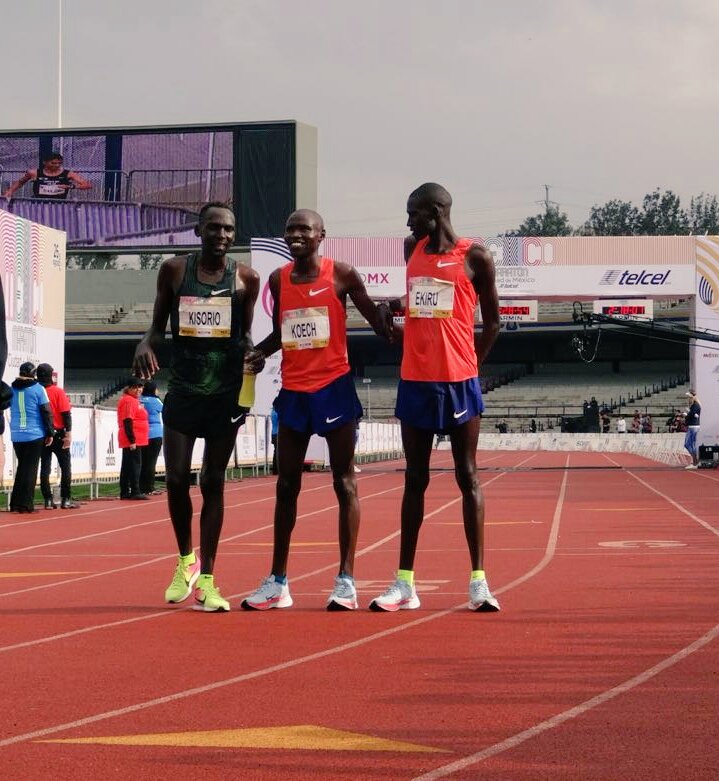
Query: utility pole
(547, 203)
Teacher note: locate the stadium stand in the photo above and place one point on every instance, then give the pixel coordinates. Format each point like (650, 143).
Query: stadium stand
(90, 223)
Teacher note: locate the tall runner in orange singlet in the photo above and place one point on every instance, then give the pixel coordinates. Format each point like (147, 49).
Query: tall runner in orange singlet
(318, 396)
(439, 391)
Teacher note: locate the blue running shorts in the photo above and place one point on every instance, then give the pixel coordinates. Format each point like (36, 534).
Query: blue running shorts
(320, 411)
(438, 406)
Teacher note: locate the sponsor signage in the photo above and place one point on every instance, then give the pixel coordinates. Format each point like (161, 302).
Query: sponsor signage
(625, 308)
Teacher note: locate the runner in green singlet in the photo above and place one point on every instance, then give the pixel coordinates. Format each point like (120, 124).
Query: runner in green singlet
(209, 300)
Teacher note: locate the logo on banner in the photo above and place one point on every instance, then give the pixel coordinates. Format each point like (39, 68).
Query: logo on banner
(267, 301)
(110, 452)
(627, 277)
(708, 273)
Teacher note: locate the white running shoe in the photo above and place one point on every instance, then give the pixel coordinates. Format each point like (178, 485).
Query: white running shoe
(399, 596)
(343, 596)
(480, 597)
(269, 594)
(691, 466)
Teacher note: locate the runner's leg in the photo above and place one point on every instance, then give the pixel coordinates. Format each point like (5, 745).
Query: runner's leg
(291, 449)
(341, 446)
(464, 450)
(218, 450)
(178, 459)
(417, 445)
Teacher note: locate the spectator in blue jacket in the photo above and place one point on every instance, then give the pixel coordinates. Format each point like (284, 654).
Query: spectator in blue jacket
(151, 402)
(31, 429)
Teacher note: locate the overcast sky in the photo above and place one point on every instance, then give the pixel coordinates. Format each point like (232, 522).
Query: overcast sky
(599, 100)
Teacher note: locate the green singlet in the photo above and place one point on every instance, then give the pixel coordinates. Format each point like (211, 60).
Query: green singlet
(207, 350)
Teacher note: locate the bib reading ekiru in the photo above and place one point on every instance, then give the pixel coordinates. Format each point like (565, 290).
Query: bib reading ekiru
(430, 298)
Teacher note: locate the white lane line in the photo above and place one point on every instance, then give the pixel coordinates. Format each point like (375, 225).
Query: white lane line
(678, 506)
(572, 713)
(37, 734)
(593, 702)
(174, 555)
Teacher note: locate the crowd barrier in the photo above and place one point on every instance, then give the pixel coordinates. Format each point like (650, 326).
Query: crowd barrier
(664, 448)
(96, 455)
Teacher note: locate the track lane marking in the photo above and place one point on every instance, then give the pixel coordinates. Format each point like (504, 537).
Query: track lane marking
(593, 702)
(571, 713)
(297, 661)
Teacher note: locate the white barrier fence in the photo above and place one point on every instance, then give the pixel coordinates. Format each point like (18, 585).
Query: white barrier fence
(665, 448)
(96, 455)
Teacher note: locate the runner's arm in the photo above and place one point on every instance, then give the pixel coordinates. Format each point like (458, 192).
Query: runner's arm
(273, 341)
(145, 363)
(480, 267)
(350, 283)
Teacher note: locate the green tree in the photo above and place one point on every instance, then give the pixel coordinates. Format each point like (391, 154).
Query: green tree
(662, 215)
(551, 223)
(704, 215)
(614, 218)
(150, 260)
(91, 260)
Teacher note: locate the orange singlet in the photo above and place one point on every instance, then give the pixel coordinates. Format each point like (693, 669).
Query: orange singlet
(313, 328)
(439, 317)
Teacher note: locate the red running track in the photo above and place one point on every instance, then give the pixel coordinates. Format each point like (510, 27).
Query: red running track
(602, 663)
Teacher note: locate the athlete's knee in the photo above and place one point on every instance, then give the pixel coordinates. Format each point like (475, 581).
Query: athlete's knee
(177, 482)
(416, 480)
(466, 477)
(345, 486)
(288, 488)
(212, 482)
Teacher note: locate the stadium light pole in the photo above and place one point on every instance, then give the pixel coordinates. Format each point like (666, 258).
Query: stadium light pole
(59, 63)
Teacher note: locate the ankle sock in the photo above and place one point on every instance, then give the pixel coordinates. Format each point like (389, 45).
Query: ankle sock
(407, 575)
(280, 579)
(478, 574)
(189, 559)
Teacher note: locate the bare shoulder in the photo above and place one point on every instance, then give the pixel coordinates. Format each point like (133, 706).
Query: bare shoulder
(347, 278)
(246, 275)
(409, 246)
(480, 260)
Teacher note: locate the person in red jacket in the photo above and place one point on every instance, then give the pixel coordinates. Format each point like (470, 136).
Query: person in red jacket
(133, 430)
(61, 441)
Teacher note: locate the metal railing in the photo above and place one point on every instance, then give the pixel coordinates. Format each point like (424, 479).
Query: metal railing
(188, 187)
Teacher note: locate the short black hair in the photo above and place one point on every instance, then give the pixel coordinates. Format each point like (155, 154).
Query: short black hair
(53, 156)
(149, 389)
(432, 193)
(214, 205)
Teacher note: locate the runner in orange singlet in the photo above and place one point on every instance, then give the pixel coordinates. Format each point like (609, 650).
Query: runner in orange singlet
(318, 396)
(439, 391)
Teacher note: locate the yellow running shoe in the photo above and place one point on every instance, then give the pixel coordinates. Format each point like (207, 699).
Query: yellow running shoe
(208, 597)
(182, 581)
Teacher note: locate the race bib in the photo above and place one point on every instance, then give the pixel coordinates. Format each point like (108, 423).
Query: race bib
(305, 329)
(205, 318)
(430, 298)
(50, 188)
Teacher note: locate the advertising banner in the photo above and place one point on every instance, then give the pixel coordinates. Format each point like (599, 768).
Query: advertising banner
(32, 264)
(704, 355)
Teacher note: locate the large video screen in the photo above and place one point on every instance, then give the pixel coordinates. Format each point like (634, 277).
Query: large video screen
(143, 187)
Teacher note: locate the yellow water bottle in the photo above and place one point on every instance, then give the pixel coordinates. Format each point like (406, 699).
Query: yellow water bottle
(247, 391)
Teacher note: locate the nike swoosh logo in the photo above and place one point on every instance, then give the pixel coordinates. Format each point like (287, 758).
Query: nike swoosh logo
(440, 264)
(332, 420)
(234, 420)
(217, 292)
(459, 414)
(317, 292)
